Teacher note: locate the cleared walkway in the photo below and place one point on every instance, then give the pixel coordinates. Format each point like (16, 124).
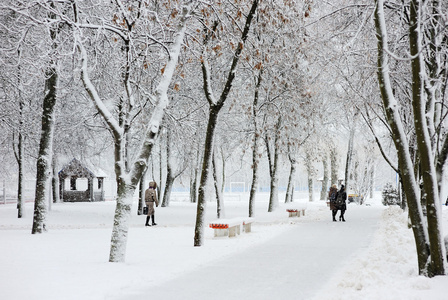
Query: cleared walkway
(293, 265)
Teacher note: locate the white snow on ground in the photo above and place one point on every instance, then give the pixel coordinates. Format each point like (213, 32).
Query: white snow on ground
(388, 269)
(70, 260)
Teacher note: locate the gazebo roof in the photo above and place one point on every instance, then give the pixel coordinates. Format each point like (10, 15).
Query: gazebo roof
(77, 169)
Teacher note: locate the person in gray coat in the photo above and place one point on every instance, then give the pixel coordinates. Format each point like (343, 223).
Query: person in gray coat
(150, 200)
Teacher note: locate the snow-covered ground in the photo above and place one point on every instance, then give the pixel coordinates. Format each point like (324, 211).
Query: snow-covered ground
(70, 261)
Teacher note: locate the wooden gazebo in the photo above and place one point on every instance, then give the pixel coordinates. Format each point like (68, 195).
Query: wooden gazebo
(75, 170)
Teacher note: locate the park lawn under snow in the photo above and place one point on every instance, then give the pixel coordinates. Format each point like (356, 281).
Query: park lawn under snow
(70, 261)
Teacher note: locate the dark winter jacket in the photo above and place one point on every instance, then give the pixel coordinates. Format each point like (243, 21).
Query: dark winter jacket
(332, 193)
(343, 197)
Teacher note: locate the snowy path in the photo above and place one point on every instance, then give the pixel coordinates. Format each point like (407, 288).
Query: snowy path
(296, 263)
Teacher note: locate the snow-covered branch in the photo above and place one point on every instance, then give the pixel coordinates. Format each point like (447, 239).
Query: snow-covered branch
(91, 90)
(161, 96)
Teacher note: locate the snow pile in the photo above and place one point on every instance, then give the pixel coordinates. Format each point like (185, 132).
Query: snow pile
(388, 269)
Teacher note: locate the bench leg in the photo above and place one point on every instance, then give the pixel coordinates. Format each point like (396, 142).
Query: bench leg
(232, 231)
(221, 232)
(248, 227)
(303, 212)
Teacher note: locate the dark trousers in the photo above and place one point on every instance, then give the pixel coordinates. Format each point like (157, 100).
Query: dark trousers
(341, 216)
(149, 218)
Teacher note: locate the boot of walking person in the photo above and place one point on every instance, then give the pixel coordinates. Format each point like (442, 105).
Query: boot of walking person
(334, 212)
(147, 221)
(153, 221)
(341, 218)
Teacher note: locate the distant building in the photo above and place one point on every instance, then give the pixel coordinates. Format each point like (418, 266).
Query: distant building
(73, 188)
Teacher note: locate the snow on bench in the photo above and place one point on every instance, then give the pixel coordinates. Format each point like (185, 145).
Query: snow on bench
(231, 227)
(295, 212)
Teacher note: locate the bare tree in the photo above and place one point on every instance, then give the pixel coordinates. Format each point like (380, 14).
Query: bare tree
(173, 170)
(430, 249)
(44, 160)
(216, 105)
(129, 174)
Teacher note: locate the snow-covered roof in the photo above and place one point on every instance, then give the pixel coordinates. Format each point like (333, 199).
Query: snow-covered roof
(82, 170)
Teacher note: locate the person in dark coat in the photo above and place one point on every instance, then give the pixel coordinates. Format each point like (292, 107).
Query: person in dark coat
(341, 204)
(332, 193)
(150, 200)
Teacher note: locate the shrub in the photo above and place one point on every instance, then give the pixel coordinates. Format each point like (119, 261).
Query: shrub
(390, 195)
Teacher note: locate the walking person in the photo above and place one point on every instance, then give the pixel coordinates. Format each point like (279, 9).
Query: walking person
(332, 193)
(150, 200)
(340, 202)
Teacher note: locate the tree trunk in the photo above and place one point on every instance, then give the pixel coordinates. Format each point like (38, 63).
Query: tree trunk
(194, 184)
(168, 188)
(195, 167)
(290, 189)
(441, 160)
(223, 172)
(218, 191)
(436, 74)
(168, 184)
(254, 184)
(334, 165)
(20, 151)
(159, 186)
(348, 163)
(292, 174)
(121, 222)
(310, 172)
(401, 144)
(169, 170)
(310, 188)
(255, 150)
(20, 199)
(371, 181)
(206, 165)
(434, 214)
(215, 107)
(171, 173)
(55, 181)
(141, 194)
(323, 192)
(44, 158)
(273, 166)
